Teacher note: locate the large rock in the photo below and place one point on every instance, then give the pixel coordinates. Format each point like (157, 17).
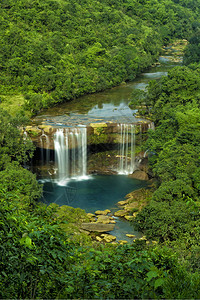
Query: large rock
(90, 215)
(143, 166)
(102, 212)
(108, 238)
(99, 227)
(141, 175)
(122, 242)
(130, 235)
(120, 213)
(129, 218)
(123, 202)
(103, 219)
(46, 128)
(33, 130)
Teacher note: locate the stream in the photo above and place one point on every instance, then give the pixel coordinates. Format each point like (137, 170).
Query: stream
(99, 192)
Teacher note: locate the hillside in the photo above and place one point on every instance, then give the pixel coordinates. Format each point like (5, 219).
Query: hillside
(52, 51)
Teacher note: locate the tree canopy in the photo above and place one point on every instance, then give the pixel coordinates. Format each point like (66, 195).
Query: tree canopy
(172, 216)
(53, 51)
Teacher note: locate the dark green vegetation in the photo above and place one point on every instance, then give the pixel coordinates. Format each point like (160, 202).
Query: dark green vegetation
(55, 50)
(173, 215)
(43, 255)
(40, 258)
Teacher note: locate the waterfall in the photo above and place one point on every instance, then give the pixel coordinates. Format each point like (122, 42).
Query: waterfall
(127, 149)
(70, 145)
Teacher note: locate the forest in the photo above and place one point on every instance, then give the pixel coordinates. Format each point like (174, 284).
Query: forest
(53, 51)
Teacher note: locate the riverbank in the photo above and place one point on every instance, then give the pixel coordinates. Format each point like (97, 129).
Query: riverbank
(100, 226)
(98, 163)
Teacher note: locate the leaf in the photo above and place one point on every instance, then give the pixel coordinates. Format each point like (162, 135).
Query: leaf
(158, 282)
(152, 274)
(4, 274)
(27, 241)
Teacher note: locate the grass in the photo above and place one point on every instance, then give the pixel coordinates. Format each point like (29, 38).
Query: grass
(12, 103)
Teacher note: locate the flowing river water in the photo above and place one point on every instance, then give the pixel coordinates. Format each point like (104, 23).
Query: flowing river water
(99, 192)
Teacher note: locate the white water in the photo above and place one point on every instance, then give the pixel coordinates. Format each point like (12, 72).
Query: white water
(70, 146)
(127, 149)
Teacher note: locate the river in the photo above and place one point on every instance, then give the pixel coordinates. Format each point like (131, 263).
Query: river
(99, 192)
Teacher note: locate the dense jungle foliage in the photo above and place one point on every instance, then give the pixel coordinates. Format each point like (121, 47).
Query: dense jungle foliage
(55, 50)
(43, 257)
(173, 215)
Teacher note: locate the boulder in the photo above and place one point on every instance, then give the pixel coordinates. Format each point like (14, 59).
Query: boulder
(130, 235)
(33, 130)
(90, 216)
(131, 206)
(112, 221)
(128, 218)
(46, 128)
(141, 175)
(122, 242)
(99, 239)
(120, 213)
(123, 202)
(103, 219)
(143, 166)
(99, 227)
(102, 212)
(108, 238)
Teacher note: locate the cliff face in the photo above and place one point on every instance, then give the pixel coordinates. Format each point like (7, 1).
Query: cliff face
(101, 148)
(43, 136)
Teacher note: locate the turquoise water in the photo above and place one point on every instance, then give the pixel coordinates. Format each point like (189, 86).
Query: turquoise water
(98, 192)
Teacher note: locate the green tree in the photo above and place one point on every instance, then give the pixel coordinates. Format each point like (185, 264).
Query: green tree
(14, 146)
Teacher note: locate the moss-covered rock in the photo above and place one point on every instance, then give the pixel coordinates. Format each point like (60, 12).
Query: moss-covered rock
(130, 235)
(33, 131)
(108, 238)
(120, 213)
(98, 227)
(102, 212)
(103, 219)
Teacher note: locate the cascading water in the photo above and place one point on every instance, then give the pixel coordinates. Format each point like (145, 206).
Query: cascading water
(70, 145)
(127, 149)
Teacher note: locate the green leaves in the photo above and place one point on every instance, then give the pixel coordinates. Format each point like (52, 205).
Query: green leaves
(152, 274)
(155, 276)
(104, 42)
(13, 147)
(159, 282)
(26, 241)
